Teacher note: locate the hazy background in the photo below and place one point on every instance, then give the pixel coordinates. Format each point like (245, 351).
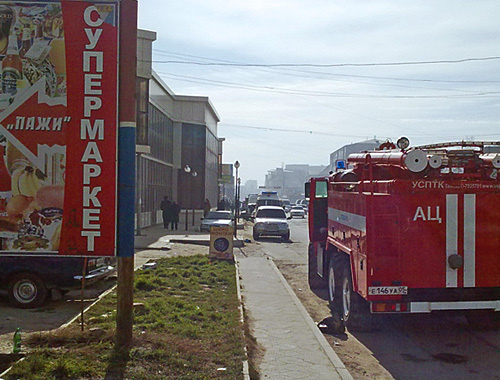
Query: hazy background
(429, 70)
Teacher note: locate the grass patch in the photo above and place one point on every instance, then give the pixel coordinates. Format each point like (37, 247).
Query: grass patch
(189, 328)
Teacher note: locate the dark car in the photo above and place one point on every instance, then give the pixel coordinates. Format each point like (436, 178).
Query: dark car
(30, 279)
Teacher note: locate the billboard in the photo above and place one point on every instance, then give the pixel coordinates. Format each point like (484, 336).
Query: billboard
(58, 127)
(226, 174)
(221, 243)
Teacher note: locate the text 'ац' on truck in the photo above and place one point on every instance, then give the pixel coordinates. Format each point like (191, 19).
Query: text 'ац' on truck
(409, 230)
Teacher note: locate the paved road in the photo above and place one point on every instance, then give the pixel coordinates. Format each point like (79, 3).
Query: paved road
(414, 346)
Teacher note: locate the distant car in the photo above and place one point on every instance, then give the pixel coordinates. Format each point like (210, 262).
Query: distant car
(268, 202)
(271, 221)
(297, 211)
(218, 219)
(302, 202)
(304, 207)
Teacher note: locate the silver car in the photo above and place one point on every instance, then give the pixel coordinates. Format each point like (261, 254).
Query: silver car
(271, 221)
(297, 211)
(218, 219)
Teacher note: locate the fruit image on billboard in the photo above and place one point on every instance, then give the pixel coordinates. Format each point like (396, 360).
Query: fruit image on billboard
(58, 127)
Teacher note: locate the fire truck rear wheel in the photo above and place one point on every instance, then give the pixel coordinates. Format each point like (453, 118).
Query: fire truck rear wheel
(334, 285)
(355, 310)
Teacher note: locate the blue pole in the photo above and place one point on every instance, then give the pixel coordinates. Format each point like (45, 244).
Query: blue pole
(126, 189)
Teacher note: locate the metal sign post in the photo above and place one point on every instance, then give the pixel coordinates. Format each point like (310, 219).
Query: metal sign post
(126, 172)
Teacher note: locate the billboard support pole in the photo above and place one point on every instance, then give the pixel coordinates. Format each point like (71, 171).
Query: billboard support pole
(126, 171)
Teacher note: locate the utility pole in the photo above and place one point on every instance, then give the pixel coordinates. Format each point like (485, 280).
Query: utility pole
(126, 171)
(236, 200)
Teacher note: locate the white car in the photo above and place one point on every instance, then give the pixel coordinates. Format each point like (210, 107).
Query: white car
(297, 211)
(218, 219)
(271, 221)
(304, 206)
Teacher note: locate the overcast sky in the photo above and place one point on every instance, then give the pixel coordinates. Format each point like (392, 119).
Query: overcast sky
(312, 75)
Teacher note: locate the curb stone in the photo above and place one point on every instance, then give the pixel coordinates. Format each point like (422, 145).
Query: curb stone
(246, 372)
(330, 353)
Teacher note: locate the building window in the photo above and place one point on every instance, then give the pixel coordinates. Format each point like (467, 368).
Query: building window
(160, 135)
(142, 96)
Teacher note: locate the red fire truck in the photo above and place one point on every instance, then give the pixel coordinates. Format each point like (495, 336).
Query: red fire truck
(409, 230)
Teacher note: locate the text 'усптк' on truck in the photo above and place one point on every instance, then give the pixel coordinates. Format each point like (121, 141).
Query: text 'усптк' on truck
(409, 230)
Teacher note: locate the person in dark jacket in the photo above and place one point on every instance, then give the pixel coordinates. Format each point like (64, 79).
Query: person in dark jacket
(206, 208)
(166, 208)
(174, 222)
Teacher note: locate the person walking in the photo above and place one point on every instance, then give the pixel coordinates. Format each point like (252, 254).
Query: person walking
(174, 221)
(206, 208)
(166, 208)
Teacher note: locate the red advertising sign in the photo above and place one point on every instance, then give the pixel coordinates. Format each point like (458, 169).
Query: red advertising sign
(58, 127)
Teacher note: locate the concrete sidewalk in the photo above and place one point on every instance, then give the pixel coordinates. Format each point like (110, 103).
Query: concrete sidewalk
(294, 348)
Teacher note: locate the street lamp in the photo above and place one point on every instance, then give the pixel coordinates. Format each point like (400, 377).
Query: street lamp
(236, 199)
(188, 170)
(193, 175)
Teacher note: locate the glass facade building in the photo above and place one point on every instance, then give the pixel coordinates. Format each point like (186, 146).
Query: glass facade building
(172, 131)
(200, 152)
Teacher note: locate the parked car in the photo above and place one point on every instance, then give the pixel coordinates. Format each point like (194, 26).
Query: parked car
(30, 279)
(218, 219)
(297, 211)
(271, 221)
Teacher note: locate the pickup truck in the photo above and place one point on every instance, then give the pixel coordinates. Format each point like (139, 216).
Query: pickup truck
(30, 279)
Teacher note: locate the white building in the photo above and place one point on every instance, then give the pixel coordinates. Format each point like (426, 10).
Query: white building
(346, 150)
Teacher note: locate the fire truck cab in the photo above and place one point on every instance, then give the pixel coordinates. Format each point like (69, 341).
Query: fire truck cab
(408, 230)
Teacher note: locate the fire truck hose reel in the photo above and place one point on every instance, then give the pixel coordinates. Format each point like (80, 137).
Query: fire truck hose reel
(455, 261)
(415, 160)
(435, 161)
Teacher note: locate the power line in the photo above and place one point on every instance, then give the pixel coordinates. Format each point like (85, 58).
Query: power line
(279, 90)
(475, 59)
(165, 52)
(312, 132)
(399, 79)
(309, 132)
